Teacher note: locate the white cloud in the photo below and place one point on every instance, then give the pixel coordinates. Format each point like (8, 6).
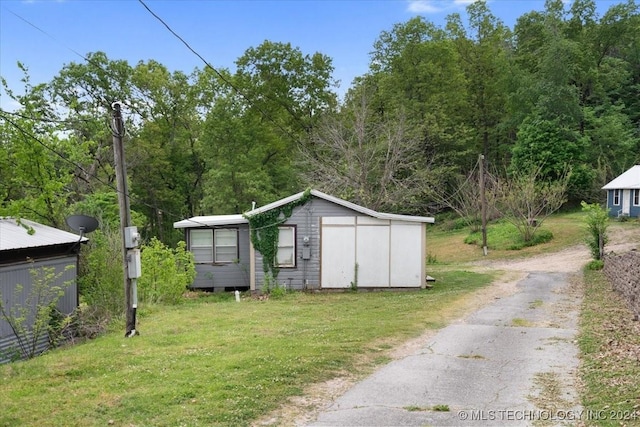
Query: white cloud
(436, 6)
(423, 6)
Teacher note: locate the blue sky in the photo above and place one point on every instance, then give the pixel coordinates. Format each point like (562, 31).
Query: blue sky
(220, 30)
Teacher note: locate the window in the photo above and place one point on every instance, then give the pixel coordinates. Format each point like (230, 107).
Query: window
(201, 245)
(286, 254)
(636, 197)
(226, 244)
(616, 197)
(219, 245)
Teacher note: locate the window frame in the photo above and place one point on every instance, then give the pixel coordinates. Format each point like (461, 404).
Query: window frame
(616, 197)
(215, 246)
(213, 258)
(636, 197)
(192, 247)
(292, 245)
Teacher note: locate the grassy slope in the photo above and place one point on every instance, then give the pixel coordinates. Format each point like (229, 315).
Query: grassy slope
(218, 362)
(448, 247)
(610, 347)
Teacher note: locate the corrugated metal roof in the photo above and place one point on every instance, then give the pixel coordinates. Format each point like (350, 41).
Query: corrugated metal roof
(15, 236)
(628, 180)
(212, 220)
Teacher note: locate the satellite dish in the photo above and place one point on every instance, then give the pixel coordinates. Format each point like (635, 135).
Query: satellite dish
(82, 223)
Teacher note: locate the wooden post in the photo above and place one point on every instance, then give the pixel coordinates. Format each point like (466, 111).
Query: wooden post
(483, 204)
(117, 129)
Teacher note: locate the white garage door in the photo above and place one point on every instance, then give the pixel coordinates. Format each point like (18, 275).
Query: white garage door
(408, 254)
(338, 252)
(387, 253)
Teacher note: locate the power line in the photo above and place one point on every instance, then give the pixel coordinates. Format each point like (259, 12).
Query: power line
(44, 119)
(107, 184)
(45, 33)
(84, 57)
(28, 134)
(4, 114)
(235, 88)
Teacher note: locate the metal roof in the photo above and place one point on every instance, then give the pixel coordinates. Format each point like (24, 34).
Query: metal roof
(628, 180)
(16, 236)
(337, 201)
(212, 220)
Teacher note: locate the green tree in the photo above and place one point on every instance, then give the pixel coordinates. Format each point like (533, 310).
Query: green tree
(38, 162)
(526, 200)
(551, 148)
(101, 275)
(289, 88)
(246, 160)
(484, 50)
(252, 133)
(165, 163)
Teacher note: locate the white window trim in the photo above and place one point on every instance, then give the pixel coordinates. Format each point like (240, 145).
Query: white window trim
(210, 246)
(615, 197)
(291, 244)
(636, 197)
(215, 252)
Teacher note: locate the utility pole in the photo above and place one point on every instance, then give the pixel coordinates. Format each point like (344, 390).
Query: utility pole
(129, 234)
(483, 204)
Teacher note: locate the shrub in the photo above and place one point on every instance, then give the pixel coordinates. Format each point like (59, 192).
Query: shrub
(597, 220)
(101, 274)
(542, 236)
(503, 235)
(166, 272)
(596, 264)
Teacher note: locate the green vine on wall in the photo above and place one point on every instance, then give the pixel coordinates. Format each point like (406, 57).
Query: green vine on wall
(264, 231)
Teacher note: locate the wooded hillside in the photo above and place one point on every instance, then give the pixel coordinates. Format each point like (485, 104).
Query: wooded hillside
(559, 92)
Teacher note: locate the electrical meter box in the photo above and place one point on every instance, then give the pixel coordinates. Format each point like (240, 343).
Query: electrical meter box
(306, 252)
(134, 264)
(131, 237)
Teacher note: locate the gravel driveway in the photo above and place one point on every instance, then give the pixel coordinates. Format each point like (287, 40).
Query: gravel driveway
(510, 363)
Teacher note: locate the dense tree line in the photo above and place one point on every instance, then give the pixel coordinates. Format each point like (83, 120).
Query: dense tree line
(559, 92)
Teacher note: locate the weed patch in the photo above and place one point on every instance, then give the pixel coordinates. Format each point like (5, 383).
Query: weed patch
(521, 323)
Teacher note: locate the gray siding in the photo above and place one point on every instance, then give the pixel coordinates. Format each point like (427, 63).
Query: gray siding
(221, 276)
(20, 274)
(306, 218)
(9, 349)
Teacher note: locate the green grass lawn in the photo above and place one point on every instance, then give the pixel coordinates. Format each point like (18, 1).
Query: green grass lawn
(447, 246)
(610, 350)
(212, 361)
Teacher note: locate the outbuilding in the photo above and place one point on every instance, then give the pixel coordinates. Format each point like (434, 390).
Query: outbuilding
(623, 194)
(27, 248)
(324, 242)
